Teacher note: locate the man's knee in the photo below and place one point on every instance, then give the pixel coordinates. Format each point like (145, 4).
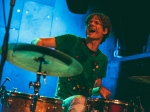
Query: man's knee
(76, 102)
(78, 99)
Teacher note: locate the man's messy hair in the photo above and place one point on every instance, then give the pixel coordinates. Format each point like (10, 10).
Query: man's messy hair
(105, 23)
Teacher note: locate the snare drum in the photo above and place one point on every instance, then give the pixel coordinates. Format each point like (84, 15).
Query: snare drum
(95, 105)
(21, 102)
(116, 106)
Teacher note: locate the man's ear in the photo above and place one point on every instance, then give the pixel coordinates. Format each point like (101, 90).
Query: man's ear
(105, 31)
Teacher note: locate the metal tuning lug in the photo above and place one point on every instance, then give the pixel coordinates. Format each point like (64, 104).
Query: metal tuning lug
(30, 84)
(44, 77)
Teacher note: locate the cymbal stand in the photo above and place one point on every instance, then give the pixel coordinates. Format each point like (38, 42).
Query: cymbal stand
(36, 85)
(136, 103)
(141, 109)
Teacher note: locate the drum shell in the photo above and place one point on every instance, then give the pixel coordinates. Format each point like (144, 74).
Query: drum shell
(95, 105)
(21, 102)
(116, 106)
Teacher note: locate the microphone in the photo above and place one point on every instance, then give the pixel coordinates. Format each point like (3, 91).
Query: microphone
(8, 79)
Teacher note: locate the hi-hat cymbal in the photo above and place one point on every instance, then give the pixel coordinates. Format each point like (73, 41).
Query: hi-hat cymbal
(55, 63)
(141, 79)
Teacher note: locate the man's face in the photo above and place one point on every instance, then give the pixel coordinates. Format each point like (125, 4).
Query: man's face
(94, 29)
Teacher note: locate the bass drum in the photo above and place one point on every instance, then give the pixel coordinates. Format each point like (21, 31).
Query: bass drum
(116, 106)
(21, 102)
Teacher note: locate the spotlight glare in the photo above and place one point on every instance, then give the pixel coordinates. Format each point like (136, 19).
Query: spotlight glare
(18, 10)
(27, 12)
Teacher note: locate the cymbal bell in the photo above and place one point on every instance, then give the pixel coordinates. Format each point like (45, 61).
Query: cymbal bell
(54, 62)
(141, 79)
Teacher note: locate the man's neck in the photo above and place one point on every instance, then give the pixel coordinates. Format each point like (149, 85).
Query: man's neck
(92, 44)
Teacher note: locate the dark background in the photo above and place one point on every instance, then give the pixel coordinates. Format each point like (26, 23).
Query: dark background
(128, 90)
(130, 20)
(131, 26)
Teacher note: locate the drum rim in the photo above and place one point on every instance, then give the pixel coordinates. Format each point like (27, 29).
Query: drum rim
(116, 101)
(95, 99)
(29, 96)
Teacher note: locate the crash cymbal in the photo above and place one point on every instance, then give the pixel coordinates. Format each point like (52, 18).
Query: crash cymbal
(141, 79)
(55, 63)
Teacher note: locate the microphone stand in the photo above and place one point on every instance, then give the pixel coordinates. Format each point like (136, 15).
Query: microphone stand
(6, 38)
(2, 87)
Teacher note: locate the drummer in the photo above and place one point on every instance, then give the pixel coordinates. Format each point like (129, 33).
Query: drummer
(74, 90)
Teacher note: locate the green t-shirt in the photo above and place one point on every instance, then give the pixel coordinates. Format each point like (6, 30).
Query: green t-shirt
(94, 66)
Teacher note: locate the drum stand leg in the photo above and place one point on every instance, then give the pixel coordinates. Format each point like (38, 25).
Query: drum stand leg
(36, 85)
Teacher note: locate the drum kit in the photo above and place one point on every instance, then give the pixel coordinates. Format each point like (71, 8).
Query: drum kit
(46, 61)
(115, 105)
(102, 105)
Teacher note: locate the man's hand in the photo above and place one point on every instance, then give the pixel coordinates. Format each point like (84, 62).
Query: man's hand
(105, 93)
(37, 41)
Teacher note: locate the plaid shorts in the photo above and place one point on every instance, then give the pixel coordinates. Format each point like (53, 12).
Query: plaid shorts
(76, 103)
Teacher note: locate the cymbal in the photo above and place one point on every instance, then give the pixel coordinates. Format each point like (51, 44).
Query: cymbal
(55, 63)
(141, 79)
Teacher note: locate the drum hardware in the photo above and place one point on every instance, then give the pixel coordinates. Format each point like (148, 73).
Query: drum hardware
(3, 90)
(15, 89)
(2, 87)
(116, 106)
(136, 103)
(133, 106)
(95, 105)
(9, 102)
(48, 61)
(21, 102)
(37, 84)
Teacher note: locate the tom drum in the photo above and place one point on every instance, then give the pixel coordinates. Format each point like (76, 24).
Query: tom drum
(21, 102)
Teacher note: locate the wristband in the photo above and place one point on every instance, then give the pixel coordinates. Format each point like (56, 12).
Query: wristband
(95, 91)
